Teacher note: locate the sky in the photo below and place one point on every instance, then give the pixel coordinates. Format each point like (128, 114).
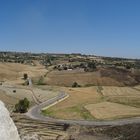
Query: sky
(98, 27)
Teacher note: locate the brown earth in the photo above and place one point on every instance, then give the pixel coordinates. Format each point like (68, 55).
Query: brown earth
(108, 110)
(61, 78)
(13, 72)
(103, 77)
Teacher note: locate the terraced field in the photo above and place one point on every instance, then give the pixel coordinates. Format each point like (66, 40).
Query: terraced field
(33, 129)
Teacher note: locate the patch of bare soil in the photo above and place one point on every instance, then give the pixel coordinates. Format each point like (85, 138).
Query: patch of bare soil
(123, 76)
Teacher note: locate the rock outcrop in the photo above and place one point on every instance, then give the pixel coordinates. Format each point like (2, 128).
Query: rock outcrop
(8, 130)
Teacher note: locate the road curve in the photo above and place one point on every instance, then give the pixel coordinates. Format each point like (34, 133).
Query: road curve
(35, 113)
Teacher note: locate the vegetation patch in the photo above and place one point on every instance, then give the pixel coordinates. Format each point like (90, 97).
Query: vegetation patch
(48, 112)
(85, 114)
(76, 110)
(22, 106)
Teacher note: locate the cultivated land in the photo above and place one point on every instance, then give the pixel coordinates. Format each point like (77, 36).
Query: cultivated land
(73, 107)
(108, 110)
(76, 106)
(108, 91)
(123, 95)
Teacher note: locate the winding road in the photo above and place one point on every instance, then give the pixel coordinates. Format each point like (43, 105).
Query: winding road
(35, 113)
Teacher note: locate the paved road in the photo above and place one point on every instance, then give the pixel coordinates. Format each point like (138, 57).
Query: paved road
(35, 113)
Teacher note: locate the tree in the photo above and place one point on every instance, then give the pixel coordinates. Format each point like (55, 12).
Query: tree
(22, 106)
(25, 76)
(92, 65)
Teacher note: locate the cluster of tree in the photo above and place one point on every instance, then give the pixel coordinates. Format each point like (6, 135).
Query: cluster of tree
(91, 66)
(22, 106)
(87, 66)
(127, 65)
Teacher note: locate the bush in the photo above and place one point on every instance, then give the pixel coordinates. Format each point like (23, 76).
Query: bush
(22, 106)
(75, 84)
(25, 76)
(92, 65)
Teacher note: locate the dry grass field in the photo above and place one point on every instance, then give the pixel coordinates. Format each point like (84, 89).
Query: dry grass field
(121, 99)
(67, 78)
(7, 99)
(34, 95)
(119, 91)
(137, 87)
(108, 110)
(73, 107)
(123, 95)
(13, 72)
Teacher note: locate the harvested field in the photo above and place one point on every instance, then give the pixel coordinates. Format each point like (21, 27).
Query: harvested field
(128, 100)
(108, 110)
(120, 91)
(123, 95)
(73, 107)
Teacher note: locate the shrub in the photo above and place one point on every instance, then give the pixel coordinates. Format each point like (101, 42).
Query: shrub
(92, 65)
(25, 76)
(75, 84)
(22, 106)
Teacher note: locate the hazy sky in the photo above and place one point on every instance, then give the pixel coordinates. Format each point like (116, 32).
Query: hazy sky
(101, 27)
